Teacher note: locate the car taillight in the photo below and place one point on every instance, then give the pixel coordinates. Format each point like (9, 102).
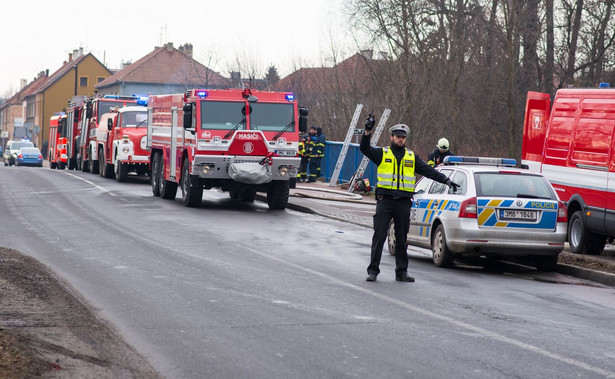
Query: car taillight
(40, 156)
(20, 156)
(562, 212)
(468, 208)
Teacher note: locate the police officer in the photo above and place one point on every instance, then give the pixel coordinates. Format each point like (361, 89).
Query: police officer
(397, 168)
(436, 157)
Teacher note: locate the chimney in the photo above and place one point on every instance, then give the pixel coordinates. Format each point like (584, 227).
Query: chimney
(186, 49)
(70, 57)
(169, 46)
(367, 53)
(22, 83)
(75, 54)
(80, 51)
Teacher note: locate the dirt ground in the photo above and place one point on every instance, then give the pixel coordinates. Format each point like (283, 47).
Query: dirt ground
(47, 331)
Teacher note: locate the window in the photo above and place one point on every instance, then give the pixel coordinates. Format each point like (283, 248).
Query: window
(461, 179)
(438, 187)
(83, 81)
(100, 79)
(222, 115)
(422, 185)
(271, 117)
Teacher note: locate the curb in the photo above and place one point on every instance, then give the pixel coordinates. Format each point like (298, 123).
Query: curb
(587, 274)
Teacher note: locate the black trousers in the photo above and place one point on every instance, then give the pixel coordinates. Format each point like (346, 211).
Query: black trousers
(398, 209)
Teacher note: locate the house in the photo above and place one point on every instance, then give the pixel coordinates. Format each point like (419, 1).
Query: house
(12, 111)
(77, 76)
(165, 70)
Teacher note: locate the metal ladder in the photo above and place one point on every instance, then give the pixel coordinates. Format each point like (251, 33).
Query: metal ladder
(374, 140)
(342, 156)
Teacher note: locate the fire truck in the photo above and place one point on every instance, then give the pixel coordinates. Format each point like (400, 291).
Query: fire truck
(57, 141)
(93, 109)
(572, 142)
(74, 112)
(121, 144)
(240, 141)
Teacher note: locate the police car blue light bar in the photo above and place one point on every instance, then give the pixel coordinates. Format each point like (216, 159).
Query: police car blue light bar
(459, 160)
(290, 97)
(201, 94)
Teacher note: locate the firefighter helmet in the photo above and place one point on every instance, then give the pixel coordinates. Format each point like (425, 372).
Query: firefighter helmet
(443, 144)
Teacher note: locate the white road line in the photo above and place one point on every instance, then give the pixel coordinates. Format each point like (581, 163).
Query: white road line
(437, 316)
(90, 183)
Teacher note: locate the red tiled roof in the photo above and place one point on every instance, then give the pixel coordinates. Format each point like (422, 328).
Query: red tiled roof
(32, 88)
(166, 65)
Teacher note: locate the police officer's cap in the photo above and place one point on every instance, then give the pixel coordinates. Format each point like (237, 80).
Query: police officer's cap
(399, 130)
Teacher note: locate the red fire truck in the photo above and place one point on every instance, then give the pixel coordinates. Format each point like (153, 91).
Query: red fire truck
(121, 145)
(572, 143)
(74, 112)
(241, 141)
(57, 141)
(93, 109)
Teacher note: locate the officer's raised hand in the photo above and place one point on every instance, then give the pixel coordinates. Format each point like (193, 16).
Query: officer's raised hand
(369, 123)
(452, 184)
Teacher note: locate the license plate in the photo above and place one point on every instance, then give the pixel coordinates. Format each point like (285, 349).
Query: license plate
(514, 214)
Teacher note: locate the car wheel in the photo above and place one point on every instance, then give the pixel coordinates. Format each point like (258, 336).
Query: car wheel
(442, 256)
(546, 263)
(121, 171)
(391, 238)
(581, 240)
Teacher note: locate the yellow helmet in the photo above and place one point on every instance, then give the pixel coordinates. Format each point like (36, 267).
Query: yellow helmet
(443, 144)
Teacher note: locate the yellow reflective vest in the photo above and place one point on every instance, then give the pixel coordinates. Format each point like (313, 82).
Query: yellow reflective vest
(393, 176)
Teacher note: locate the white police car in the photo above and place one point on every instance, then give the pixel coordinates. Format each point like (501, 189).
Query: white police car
(498, 211)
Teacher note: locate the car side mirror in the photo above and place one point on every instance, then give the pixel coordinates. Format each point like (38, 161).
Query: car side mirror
(303, 113)
(109, 123)
(187, 116)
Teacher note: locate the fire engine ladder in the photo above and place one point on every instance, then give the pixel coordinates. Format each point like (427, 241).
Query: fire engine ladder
(342, 157)
(374, 140)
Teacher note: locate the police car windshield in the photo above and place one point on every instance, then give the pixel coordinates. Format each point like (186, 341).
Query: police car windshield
(222, 115)
(497, 184)
(272, 117)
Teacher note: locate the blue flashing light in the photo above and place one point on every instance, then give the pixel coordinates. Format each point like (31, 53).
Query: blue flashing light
(115, 97)
(456, 159)
(201, 94)
(605, 85)
(142, 102)
(290, 97)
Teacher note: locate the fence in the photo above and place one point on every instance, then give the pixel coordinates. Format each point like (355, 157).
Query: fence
(351, 163)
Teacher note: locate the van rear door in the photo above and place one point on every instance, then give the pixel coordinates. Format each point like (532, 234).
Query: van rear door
(537, 109)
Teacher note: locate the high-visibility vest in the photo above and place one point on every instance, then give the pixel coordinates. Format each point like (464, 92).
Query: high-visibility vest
(301, 150)
(393, 176)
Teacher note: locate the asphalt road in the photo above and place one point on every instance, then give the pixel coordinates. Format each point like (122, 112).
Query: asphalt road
(236, 290)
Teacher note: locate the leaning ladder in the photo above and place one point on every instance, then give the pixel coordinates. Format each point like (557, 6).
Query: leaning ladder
(374, 140)
(342, 157)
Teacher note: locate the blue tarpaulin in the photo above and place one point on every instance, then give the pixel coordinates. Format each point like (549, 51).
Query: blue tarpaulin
(350, 166)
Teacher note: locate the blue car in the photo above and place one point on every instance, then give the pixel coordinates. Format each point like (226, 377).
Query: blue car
(29, 156)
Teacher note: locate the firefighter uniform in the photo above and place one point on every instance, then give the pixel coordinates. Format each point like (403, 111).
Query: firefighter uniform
(303, 153)
(318, 152)
(436, 157)
(397, 169)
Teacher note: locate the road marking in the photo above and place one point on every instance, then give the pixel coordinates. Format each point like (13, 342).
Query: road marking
(91, 183)
(437, 316)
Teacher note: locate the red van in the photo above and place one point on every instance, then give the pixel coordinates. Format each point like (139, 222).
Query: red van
(572, 143)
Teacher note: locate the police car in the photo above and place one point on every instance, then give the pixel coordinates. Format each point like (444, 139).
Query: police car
(498, 210)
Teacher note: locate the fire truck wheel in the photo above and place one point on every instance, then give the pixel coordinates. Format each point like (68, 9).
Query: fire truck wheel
(192, 191)
(234, 194)
(85, 167)
(277, 196)
(72, 164)
(101, 163)
(121, 171)
(155, 175)
(581, 240)
(62, 166)
(248, 195)
(168, 189)
(52, 165)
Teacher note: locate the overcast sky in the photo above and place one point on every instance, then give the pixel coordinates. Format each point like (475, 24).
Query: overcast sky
(39, 35)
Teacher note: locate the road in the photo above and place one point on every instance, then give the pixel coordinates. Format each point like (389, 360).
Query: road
(236, 290)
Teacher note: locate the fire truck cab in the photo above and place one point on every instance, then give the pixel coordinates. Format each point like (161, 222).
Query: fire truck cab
(57, 141)
(121, 145)
(93, 109)
(241, 141)
(572, 143)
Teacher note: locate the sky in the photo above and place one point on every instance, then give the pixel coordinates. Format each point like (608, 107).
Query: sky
(36, 35)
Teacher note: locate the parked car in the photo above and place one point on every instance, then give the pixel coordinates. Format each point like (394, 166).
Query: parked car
(29, 156)
(498, 211)
(11, 150)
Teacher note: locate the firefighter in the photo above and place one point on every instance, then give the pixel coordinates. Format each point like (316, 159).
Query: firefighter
(317, 139)
(397, 167)
(304, 153)
(436, 157)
